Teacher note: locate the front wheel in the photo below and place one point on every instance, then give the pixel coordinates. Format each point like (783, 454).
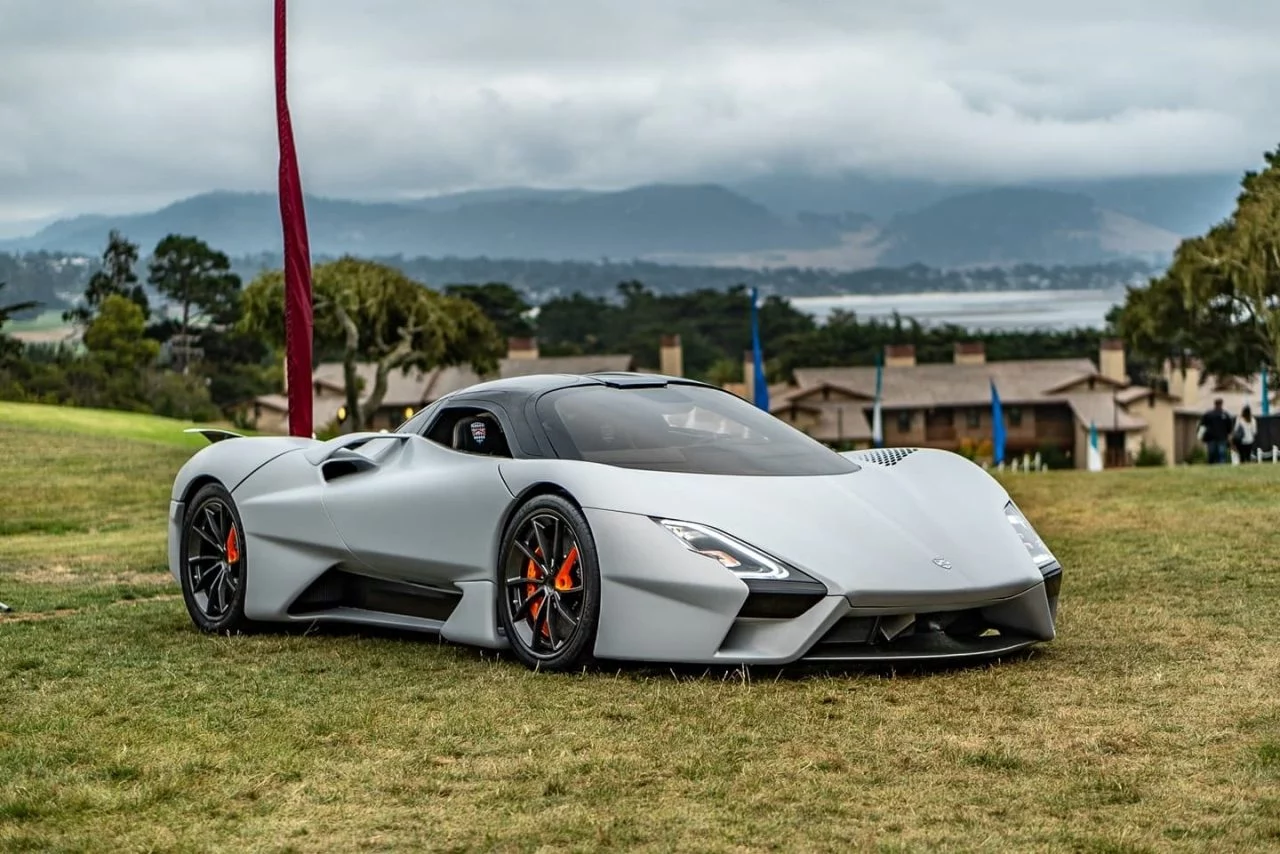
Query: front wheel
(549, 585)
(213, 562)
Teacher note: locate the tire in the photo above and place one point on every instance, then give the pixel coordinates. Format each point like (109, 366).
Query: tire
(550, 617)
(213, 562)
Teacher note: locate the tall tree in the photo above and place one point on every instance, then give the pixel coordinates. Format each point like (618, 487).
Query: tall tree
(1219, 301)
(117, 277)
(374, 314)
(198, 279)
(501, 303)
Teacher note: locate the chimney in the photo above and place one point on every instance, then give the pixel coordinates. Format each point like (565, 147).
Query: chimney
(522, 348)
(970, 353)
(1111, 360)
(899, 355)
(1186, 387)
(671, 356)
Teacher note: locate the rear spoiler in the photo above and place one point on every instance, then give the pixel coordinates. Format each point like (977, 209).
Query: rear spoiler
(213, 434)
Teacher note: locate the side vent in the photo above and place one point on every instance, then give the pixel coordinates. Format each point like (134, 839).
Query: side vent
(883, 456)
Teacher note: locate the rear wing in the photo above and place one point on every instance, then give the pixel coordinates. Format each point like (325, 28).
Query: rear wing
(213, 434)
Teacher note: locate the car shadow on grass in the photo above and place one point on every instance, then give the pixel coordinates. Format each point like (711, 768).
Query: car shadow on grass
(644, 670)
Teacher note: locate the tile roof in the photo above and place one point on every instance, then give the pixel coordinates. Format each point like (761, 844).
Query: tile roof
(1104, 410)
(565, 365)
(950, 384)
(417, 388)
(1236, 392)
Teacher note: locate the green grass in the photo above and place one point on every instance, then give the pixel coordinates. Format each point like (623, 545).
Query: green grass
(1151, 724)
(106, 423)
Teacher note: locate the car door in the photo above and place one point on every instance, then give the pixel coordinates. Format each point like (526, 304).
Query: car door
(419, 511)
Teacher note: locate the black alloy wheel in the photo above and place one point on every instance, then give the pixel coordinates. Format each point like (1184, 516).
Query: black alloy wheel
(550, 585)
(213, 562)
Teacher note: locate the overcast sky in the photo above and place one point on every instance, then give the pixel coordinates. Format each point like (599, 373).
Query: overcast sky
(110, 105)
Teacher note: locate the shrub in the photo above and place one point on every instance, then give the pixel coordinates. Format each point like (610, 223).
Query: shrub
(1150, 455)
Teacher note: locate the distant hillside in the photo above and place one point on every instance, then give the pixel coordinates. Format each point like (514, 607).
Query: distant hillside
(1182, 204)
(1017, 225)
(698, 224)
(545, 225)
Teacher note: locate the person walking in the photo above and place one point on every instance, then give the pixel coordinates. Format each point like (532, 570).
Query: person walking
(1215, 431)
(1245, 435)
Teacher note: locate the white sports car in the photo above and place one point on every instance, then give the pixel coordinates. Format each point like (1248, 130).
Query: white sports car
(613, 516)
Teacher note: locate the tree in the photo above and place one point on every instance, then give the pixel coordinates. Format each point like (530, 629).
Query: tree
(501, 303)
(116, 340)
(116, 277)
(198, 279)
(1219, 300)
(373, 313)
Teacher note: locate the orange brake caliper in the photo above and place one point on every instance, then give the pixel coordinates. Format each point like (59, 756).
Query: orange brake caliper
(564, 578)
(233, 547)
(564, 581)
(531, 572)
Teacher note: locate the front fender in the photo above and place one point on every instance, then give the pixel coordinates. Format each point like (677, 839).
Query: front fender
(232, 460)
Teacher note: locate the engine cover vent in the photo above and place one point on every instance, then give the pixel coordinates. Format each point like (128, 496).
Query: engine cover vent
(884, 456)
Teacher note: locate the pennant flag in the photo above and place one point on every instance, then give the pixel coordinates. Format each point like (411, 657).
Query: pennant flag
(297, 255)
(997, 426)
(1095, 455)
(877, 425)
(760, 392)
(1265, 409)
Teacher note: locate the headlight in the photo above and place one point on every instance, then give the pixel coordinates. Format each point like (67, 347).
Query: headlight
(1036, 548)
(734, 555)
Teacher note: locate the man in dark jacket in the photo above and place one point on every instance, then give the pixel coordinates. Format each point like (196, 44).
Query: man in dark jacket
(1215, 432)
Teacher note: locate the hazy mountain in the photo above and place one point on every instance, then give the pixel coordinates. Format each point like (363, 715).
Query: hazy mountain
(856, 224)
(1182, 204)
(630, 223)
(1018, 225)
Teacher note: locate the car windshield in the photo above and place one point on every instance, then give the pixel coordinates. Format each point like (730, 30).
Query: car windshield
(681, 428)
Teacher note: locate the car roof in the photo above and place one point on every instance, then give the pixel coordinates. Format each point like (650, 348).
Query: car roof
(536, 384)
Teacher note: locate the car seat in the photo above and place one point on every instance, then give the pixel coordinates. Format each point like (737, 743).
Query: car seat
(480, 434)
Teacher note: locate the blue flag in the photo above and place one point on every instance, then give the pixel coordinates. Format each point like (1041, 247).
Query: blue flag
(760, 393)
(1266, 394)
(997, 425)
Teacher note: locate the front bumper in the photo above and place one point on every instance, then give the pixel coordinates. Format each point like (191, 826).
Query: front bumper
(837, 630)
(660, 602)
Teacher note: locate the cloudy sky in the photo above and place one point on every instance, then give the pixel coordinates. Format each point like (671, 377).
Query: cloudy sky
(127, 104)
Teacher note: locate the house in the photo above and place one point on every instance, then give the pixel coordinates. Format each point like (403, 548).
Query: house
(409, 392)
(1049, 405)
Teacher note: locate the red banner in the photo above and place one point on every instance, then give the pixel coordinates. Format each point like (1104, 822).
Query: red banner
(297, 255)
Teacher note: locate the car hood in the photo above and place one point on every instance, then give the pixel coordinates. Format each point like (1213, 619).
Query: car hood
(926, 529)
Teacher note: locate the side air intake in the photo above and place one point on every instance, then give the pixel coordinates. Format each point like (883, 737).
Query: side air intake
(883, 456)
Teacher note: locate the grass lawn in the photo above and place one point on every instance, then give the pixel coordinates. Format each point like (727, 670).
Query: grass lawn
(39, 421)
(1152, 723)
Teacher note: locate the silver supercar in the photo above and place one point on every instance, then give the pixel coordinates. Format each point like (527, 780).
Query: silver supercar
(614, 517)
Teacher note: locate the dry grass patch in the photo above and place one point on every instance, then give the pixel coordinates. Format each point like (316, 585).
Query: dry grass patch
(1151, 724)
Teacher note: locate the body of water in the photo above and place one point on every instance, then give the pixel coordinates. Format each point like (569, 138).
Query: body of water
(979, 311)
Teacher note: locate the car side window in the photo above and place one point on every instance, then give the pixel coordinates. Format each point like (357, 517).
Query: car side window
(470, 430)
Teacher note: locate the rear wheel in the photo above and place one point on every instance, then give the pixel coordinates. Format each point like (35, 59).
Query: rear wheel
(213, 562)
(549, 585)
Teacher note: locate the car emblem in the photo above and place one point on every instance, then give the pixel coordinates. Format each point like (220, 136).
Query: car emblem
(478, 432)
(942, 563)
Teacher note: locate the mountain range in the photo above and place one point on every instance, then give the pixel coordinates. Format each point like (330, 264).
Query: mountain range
(848, 223)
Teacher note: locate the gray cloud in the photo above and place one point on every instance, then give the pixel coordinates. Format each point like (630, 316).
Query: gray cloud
(108, 106)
